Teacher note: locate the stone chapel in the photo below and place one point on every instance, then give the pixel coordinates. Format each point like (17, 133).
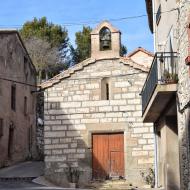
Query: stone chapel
(93, 114)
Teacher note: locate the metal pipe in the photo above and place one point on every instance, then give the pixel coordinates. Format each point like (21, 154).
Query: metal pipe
(155, 157)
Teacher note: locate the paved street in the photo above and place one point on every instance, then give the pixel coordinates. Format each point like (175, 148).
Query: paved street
(24, 169)
(19, 177)
(26, 186)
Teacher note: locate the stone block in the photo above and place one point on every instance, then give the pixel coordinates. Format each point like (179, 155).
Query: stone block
(59, 128)
(60, 158)
(117, 102)
(73, 145)
(141, 130)
(106, 120)
(70, 104)
(55, 141)
(114, 114)
(81, 151)
(72, 133)
(137, 114)
(122, 84)
(142, 141)
(54, 152)
(146, 161)
(47, 152)
(150, 141)
(117, 96)
(128, 95)
(54, 134)
(105, 108)
(65, 140)
(148, 136)
(69, 151)
(47, 141)
(139, 153)
(92, 86)
(148, 147)
(56, 146)
(77, 127)
(90, 120)
(95, 103)
(52, 122)
(80, 97)
(134, 101)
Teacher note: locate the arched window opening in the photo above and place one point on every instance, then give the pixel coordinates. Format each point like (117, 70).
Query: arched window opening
(105, 39)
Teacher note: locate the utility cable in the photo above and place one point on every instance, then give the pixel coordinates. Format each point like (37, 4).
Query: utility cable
(98, 21)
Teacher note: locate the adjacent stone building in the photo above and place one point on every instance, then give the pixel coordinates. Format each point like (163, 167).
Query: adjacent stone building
(17, 101)
(93, 112)
(165, 95)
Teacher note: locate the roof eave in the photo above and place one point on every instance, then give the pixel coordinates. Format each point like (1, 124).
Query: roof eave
(150, 14)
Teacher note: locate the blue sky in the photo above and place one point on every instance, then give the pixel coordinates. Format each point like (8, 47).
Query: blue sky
(135, 32)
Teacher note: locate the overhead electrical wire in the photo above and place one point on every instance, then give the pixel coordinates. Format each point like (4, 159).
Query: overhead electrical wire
(95, 21)
(82, 23)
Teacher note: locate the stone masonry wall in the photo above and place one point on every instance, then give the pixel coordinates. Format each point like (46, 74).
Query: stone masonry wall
(183, 93)
(18, 129)
(74, 111)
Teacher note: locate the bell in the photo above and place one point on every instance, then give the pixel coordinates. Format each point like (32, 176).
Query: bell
(105, 43)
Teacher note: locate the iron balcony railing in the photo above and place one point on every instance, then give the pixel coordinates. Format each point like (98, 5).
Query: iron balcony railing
(163, 71)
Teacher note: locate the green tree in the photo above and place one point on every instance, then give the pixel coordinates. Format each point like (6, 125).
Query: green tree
(123, 50)
(52, 39)
(83, 43)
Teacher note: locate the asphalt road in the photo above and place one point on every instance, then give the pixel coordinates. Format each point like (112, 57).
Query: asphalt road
(8, 185)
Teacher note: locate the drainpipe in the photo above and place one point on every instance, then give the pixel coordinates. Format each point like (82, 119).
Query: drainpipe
(155, 157)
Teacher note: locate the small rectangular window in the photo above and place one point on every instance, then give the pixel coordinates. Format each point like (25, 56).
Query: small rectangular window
(158, 15)
(1, 127)
(13, 97)
(1, 90)
(25, 106)
(107, 92)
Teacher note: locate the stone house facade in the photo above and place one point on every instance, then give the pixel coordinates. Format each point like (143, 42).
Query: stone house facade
(92, 115)
(169, 21)
(17, 110)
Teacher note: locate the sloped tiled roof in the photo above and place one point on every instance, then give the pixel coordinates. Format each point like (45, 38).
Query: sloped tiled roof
(67, 73)
(140, 49)
(14, 31)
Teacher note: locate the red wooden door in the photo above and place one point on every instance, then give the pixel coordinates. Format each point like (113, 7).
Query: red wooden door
(108, 155)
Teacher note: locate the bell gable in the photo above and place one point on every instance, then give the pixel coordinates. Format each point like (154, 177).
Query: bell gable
(105, 41)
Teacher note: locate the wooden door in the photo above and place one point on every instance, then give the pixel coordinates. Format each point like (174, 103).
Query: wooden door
(108, 155)
(116, 149)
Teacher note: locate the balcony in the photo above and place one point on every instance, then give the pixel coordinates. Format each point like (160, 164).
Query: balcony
(160, 85)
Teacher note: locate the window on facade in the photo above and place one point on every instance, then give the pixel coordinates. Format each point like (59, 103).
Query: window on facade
(107, 92)
(105, 39)
(25, 62)
(13, 97)
(1, 127)
(1, 90)
(158, 15)
(105, 89)
(25, 105)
